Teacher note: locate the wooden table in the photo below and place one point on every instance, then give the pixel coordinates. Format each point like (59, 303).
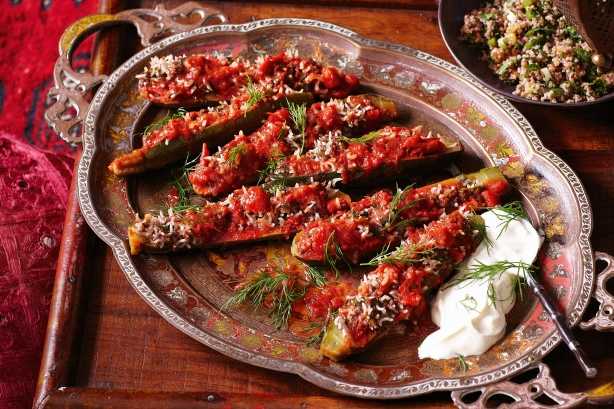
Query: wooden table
(123, 354)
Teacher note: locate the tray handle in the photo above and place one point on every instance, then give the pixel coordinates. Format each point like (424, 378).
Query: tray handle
(69, 95)
(604, 318)
(524, 395)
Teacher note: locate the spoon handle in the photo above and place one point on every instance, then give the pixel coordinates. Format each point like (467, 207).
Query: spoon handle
(572, 343)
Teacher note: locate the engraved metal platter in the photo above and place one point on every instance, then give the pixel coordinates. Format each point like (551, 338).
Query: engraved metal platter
(189, 289)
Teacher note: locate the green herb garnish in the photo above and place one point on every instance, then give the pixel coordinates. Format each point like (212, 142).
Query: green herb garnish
(333, 259)
(477, 225)
(508, 213)
(405, 255)
(184, 187)
(235, 153)
(462, 363)
(282, 305)
(469, 302)
(255, 94)
(572, 33)
(599, 86)
(489, 272)
(179, 113)
(257, 290)
(582, 55)
(315, 275)
(396, 209)
(298, 114)
(270, 167)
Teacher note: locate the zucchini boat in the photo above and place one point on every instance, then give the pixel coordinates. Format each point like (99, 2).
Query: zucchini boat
(177, 137)
(241, 161)
(193, 80)
(396, 290)
(381, 154)
(246, 215)
(383, 221)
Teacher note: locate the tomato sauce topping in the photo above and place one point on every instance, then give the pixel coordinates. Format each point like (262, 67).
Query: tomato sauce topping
(240, 160)
(192, 124)
(306, 74)
(177, 80)
(397, 290)
(354, 114)
(318, 301)
(383, 151)
(378, 221)
(220, 173)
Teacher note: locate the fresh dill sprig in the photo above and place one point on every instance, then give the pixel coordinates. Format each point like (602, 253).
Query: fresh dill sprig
(255, 94)
(483, 271)
(479, 226)
(507, 214)
(469, 302)
(298, 114)
(462, 363)
(256, 291)
(276, 182)
(396, 209)
(282, 304)
(235, 153)
(271, 166)
(406, 255)
(362, 139)
(184, 187)
(489, 272)
(333, 259)
(315, 276)
(179, 113)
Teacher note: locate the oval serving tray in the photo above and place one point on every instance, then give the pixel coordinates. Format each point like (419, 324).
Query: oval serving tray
(188, 289)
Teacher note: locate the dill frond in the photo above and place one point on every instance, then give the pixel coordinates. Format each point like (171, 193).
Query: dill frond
(179, 113)
(489, 272)
(282, 305)
(271, 166)
(507, 214)
(405, 255)
(462, 363)
(235, 153)
(332, 259)
(184, 187)
(298, 114)
(315, 276)
(396, 209)
(276, 288)
(469, 302)
(256, 290)
(255, 94)
(276, 182)
(479, 226)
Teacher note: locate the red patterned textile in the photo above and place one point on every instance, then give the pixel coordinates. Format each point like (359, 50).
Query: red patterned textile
(33, 185)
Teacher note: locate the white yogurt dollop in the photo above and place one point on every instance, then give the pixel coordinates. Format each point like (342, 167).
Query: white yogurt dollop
(469, 322)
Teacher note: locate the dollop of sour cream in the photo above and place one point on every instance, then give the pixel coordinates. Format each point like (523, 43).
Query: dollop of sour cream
(471, 313)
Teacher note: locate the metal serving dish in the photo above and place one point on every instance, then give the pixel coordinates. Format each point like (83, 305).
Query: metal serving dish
(188, 289)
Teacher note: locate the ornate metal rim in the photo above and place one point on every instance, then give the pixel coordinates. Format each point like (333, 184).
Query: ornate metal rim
(122, 255)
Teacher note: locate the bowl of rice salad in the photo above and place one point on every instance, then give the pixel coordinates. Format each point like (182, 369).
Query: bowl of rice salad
(526, 50)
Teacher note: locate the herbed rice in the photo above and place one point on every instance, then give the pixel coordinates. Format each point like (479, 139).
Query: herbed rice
(529, 43)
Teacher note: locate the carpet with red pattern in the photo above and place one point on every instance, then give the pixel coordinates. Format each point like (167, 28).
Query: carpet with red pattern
(35, 171)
